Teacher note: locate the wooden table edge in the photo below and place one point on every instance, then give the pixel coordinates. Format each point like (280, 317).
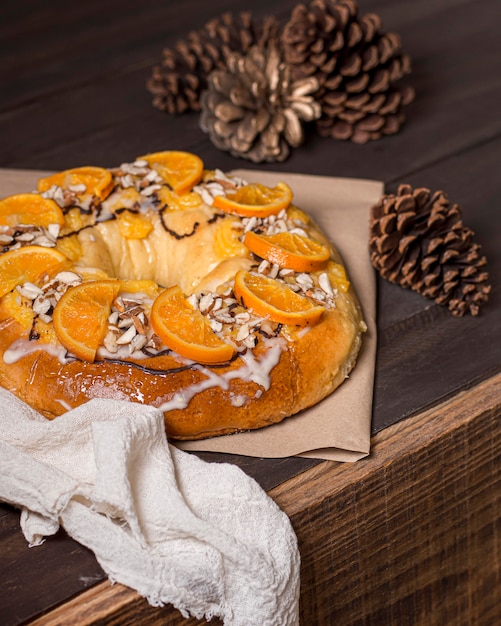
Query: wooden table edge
(388, 445)
(300, 493)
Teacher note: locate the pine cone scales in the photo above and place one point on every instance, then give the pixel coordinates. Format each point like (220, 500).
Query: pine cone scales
(332, 66)
(418, 240)
(254, 109)
(356, 65)
(177, 83)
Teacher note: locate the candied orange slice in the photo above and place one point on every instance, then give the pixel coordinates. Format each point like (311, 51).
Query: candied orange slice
(337, 276)
(227, 234)
(180, 170)
(81, 316)
(289, 250)
(28, 264)
(271, 298)
(255, 200)
(133, 225)
(29, 208)
(149, 288)
(185, 330)
(96, 180)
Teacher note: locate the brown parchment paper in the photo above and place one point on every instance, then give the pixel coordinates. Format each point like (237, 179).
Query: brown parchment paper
(338, 428)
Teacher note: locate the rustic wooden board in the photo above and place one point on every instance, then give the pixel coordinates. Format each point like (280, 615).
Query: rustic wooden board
(33, 577)
(375, 551)
(426, 513)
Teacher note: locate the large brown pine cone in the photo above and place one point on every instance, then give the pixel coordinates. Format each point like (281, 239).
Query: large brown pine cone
(418, 240)
(176, 84)
(358, 68)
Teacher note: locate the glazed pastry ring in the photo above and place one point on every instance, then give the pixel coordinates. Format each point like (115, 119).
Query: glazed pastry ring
(144, 235)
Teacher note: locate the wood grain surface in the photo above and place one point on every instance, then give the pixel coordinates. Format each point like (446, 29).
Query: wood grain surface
(409, 536)
(72, 79)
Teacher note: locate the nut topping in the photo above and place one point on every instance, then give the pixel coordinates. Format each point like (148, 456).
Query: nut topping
(26, 235)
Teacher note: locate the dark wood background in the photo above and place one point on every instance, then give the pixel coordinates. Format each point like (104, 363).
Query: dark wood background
(72, 92)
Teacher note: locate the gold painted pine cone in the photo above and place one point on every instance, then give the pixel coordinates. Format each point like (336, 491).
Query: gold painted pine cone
(254, 109)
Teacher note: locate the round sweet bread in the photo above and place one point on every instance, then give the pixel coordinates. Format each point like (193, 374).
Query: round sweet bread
(160, 282)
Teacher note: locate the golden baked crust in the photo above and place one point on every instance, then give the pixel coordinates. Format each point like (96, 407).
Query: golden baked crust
(198, 247)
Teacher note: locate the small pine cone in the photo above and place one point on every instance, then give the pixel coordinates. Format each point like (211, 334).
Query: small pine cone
(357, 66)
(418, 240)
(176, 84)
(254, 110)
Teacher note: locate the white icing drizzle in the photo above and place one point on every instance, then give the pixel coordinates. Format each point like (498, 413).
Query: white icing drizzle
(64, 404)
(259, 371)
(303, 331)
(181, 399)
(23, 347)
(252, 370)
(238, 400)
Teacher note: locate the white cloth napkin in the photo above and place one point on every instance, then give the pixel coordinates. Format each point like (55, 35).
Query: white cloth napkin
(203, 537)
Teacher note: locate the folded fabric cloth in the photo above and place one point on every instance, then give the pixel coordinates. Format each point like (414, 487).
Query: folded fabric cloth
(203, 537)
